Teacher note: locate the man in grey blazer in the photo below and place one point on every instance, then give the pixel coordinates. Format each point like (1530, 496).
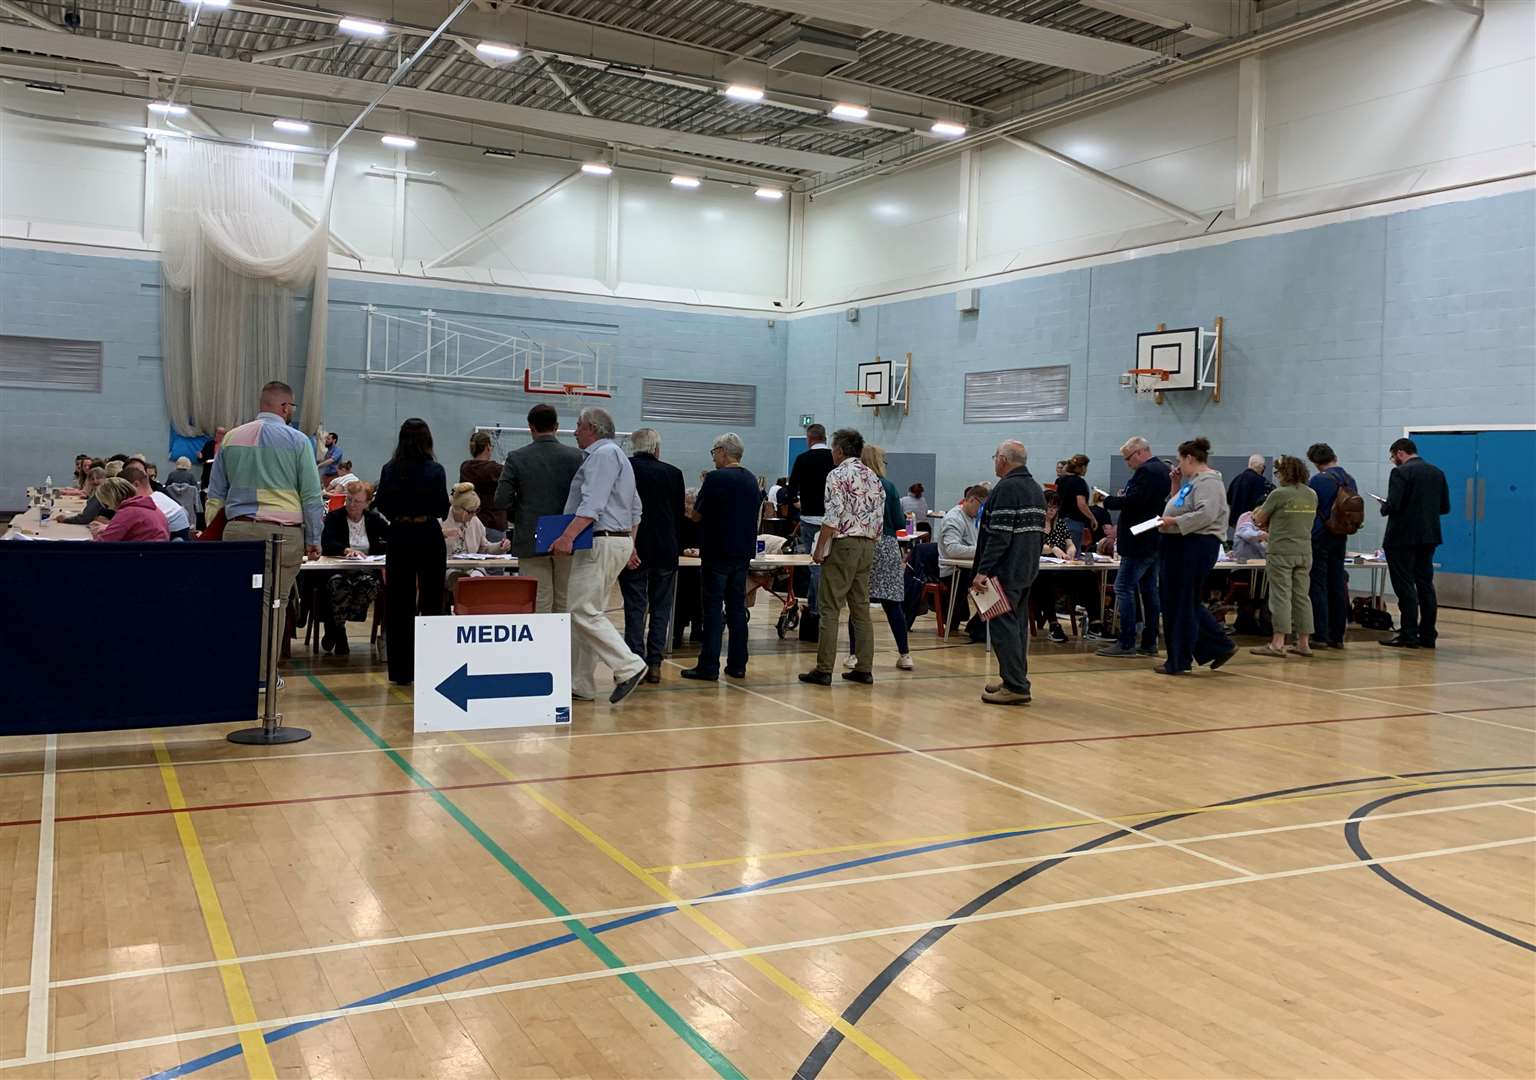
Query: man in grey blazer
(534, 483)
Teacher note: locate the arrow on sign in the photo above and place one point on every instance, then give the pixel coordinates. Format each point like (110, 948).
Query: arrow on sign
(461, 687)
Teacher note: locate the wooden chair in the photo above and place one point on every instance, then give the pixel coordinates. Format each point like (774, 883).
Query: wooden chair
(935, 591)
(494, 595)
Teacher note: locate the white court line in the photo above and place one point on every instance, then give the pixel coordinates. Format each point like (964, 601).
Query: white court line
(42, 907)
(441, 997)
(1459, 682)
(243, 758)
(812, 886)
(991, 779)
(1425, 709)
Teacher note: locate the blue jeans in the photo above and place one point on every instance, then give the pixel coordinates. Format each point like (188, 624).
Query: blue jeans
(1137, 574)
(725, 604)
(645, 588)
(808, 545)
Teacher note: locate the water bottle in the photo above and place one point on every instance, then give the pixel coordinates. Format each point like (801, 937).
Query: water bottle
(911, 526)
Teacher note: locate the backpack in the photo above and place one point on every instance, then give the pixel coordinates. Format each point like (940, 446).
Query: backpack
(1348, 511)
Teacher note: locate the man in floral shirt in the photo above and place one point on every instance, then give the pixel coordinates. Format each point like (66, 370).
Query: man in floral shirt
(845, 550)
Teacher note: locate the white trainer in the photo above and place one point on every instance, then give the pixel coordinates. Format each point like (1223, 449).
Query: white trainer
(851, 663)
(905, 663)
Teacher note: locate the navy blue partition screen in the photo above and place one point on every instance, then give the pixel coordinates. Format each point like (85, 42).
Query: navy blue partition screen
(99, 637)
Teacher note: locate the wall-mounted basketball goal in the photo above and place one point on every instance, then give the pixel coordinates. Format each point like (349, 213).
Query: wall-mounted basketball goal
(882, 384)
(1177, 360)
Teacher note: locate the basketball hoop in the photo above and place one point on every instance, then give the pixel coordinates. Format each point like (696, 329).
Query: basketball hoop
(1145, 380)
(862, 393)
(568, 390)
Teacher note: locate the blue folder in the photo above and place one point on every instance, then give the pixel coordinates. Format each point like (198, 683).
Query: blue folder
(550, 527)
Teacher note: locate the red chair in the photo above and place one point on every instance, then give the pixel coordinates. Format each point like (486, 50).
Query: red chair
(336, 501)
(494, 595)
(933, 591)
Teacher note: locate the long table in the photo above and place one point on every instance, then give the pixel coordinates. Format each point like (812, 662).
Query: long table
(29, 524)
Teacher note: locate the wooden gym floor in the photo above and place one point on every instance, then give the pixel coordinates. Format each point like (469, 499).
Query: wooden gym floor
(1286, 868)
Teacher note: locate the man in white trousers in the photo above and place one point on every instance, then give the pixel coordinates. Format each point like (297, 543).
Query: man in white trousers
(603, 496)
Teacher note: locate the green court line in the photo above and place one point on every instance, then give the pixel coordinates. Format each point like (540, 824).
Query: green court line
(669, 1016)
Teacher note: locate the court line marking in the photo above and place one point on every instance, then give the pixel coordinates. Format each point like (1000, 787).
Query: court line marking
(1382, 701)
(864, 1041)
(1186, 811)
(988, 778)
(393, 792)
(42, 907)
(242, 759)
(639, 987)
(236, 991)
(696, 959)
(1459, 682)
(864, 879)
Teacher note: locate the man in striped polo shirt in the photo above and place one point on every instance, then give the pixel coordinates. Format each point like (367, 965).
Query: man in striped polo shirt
(265, 480)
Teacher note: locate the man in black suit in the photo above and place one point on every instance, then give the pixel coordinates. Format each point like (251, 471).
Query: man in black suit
(534, 483)
(1142, 500)
(1417, 497)
(808, 484)
(651, 576)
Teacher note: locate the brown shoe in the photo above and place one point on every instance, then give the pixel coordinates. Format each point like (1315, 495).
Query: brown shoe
(1005, 696)
(653, 674)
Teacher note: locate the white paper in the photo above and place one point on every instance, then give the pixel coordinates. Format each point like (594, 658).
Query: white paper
(1146, 526)
(1375, 496)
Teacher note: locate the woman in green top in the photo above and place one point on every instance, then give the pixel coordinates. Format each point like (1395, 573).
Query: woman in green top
(1288, 514)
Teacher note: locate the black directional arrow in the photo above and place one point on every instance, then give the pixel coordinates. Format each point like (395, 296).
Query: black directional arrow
(461, 687)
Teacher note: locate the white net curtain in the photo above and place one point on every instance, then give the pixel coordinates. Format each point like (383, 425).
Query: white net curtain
(233, 257)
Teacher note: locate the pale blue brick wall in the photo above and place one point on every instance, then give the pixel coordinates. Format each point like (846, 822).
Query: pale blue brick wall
(1343, 333)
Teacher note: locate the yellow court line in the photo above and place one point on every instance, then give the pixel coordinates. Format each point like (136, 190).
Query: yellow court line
(1140, 815)
(258, 1061)
(859, 1038)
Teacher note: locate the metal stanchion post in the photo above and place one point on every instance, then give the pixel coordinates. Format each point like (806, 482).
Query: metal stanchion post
(271, 732)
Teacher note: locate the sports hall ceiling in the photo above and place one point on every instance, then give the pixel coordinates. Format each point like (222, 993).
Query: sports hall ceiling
(650, 74)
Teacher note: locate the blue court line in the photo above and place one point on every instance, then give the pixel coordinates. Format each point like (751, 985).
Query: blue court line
(429, 981)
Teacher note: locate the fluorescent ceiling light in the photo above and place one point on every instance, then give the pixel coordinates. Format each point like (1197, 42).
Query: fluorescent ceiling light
(165, 108)
(45, 88)
(947, 128)
(770, 193)
(495, 151)
(206, 3)
(498, 51)
(740, 92)
(297, 126)
(363, 27)
(844, 111)
(685, 181)
(399, 142)
(596, 168)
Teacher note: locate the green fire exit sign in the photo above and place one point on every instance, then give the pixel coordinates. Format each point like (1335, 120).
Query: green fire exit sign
(806, 419)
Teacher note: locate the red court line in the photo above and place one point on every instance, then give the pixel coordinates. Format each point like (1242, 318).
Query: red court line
(739, 765)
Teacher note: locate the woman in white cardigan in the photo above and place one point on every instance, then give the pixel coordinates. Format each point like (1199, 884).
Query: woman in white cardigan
(464, 533)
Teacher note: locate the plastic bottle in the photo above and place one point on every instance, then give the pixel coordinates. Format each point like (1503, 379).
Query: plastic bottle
(911, 525)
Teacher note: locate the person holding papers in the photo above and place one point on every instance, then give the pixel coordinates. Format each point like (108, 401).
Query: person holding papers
(1141, 501)
(726, 508)
(535, 482)
(1008, 551)
(413, 495)
(1059, 548)
(1288, 513)
(1417, 498)
(351, 531)
(1194, 523)
(602, 498)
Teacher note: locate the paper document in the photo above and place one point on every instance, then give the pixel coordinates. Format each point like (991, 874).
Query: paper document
(990, 602)
(1375, 496)
(1146, 526)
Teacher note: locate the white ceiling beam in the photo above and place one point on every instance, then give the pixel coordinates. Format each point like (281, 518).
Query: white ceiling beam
(303, 48)
(438, 72)
(548, 71)
(516, 212)
(1211, 20)
(1471, 7)
(965, 29)
(16, 11)
(1107, 180)
(329, 88)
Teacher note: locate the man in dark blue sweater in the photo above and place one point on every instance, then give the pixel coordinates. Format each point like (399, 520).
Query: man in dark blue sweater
(1330, 581)
(1142, 499)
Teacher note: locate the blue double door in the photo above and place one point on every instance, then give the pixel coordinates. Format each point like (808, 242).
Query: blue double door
(1485, 561)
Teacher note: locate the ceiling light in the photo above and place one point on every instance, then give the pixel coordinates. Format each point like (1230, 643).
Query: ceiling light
(770, 193)
(498, 51)
(166, 108)
(399, 142)
(206, 3)
(363, 27)
(494, 151)
(685, 181)
(844, 111)
(597, 168)
(297, 126)
(45, 88)
(947, 128)
(740, 92)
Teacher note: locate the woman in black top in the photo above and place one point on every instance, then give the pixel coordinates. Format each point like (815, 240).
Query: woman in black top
(413, 495)
(1072, 490)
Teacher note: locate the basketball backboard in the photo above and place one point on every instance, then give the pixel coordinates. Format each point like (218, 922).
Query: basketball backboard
(1176, 352)
(876, 383)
